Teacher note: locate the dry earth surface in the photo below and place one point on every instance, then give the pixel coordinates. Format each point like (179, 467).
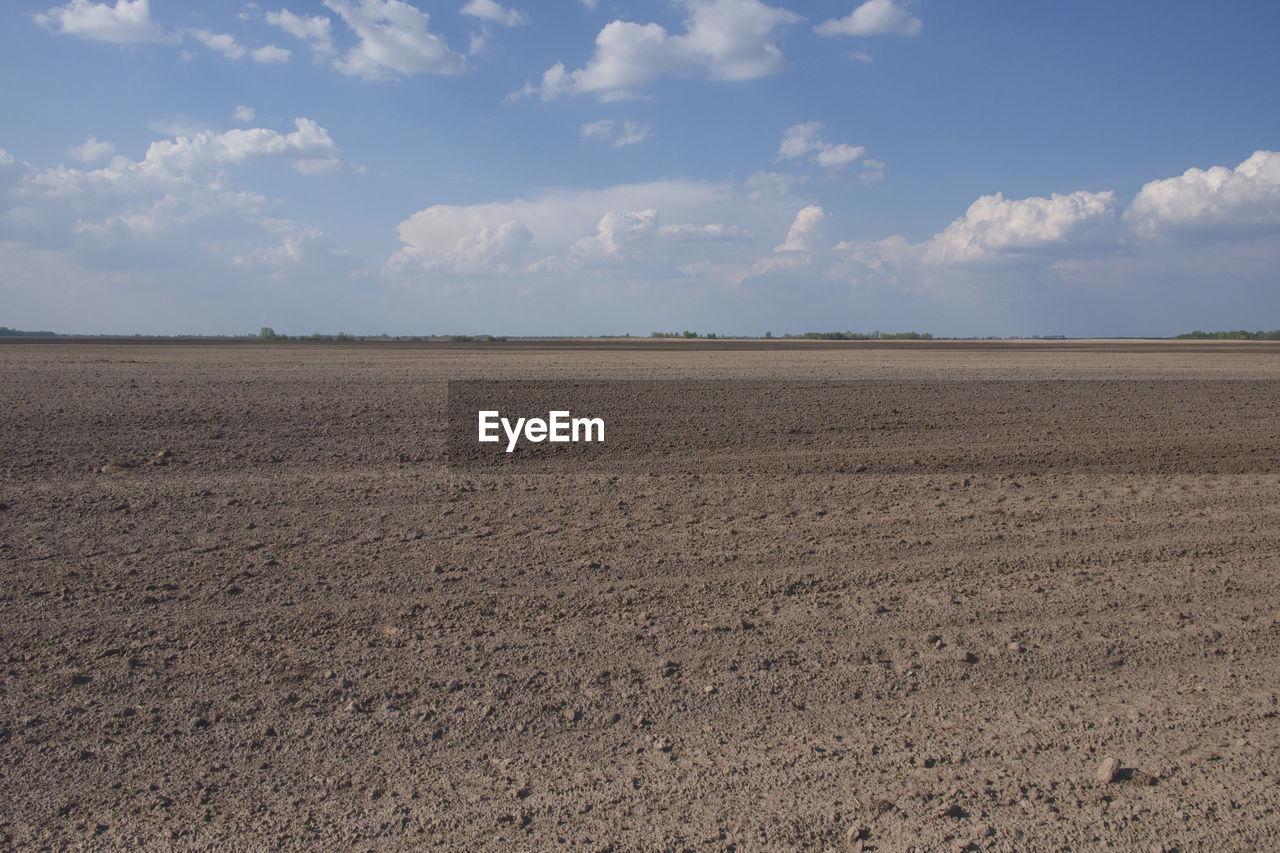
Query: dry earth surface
(1007, 597)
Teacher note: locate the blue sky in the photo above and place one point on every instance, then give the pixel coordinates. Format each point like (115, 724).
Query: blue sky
(575, 167)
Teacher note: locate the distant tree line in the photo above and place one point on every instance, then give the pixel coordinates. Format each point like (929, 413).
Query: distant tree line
(865, 336)
(810, 336)
(269, 334)
(5, 331)
(1238, 335)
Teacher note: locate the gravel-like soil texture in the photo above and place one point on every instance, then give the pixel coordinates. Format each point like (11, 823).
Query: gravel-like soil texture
(949, 597)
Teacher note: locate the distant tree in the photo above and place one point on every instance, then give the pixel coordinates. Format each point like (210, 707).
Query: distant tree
(1237, 335)
(5, 331)
(268, 334)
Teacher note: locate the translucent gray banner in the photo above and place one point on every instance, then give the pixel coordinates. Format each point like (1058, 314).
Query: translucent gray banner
(870, 426)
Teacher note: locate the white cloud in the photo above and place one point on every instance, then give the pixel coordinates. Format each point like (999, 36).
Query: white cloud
(723, 39)
(614, 230)
(632, 132)
(805, 231)
(999, 244)
(1174, 228)
(175, 204)
(996, 226)
(732, 38)
(221, 42)
(804, 140)
(714, 232)
(619, 227)
(493, 248)
(602, 129)
(837, 154)
(624, 236)
(872, 18)
(176, 168)
(872, 171)
(278, 259)
(394, 38)
(314, 30)
(490, 10)
(618, 134)
(91, 151)
(231, 49)
(1218, 199)
(270, 53)
(799, 140)
(127, 22)
(243, 114)
(309, 148)
(6, 159)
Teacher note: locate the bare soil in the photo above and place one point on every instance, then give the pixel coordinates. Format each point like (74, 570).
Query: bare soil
(984, 596)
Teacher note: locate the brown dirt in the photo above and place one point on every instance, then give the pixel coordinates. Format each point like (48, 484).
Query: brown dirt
(244, 603)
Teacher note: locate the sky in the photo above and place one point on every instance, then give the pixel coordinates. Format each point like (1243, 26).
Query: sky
(587, 167)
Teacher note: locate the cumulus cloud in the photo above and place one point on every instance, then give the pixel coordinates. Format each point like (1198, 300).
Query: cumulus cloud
(243, 114)
(91, 151)
(232, 49)
(308, 148)
(805, 231)
(493, 12)
(872, 18)
(616, 229)
(270, 53)
(1179, 227)
(996, 226)
(621, 236)
(723, 39)
(220, 42)
(617, 134)
(444, 237)
(177, 202)
(176, 166)
(652, 229)
(393, 38)
(277, 259)
(838, 154)
(493, 248)
(127, 22)
(1218, 199)
(804, 140)
(996, 231)
(313, 30)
